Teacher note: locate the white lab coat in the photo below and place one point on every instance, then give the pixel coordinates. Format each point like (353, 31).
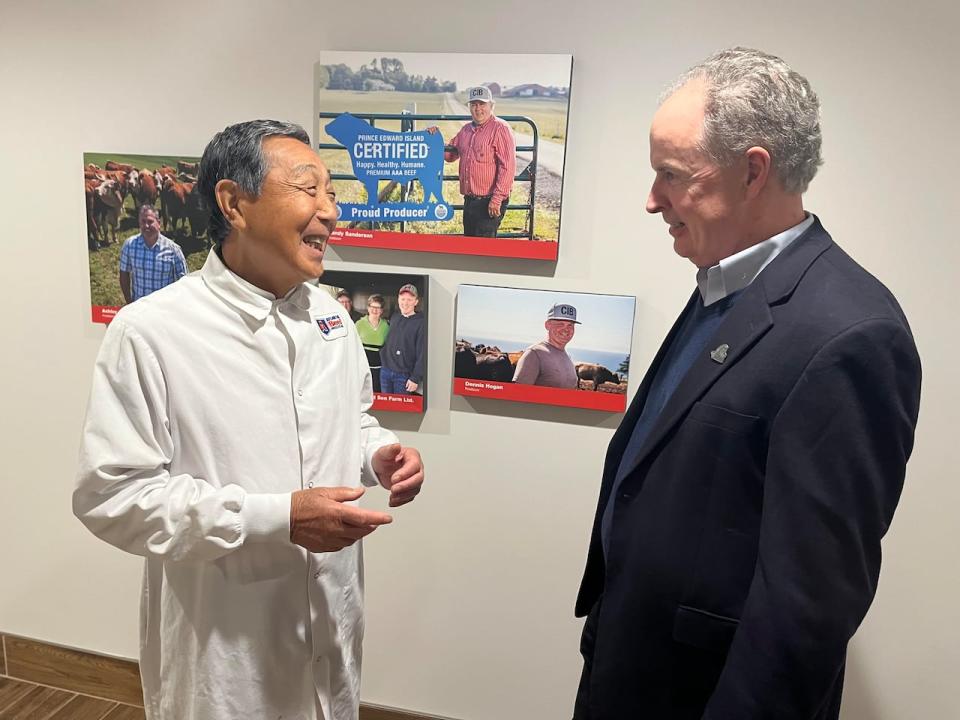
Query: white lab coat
(212, 402)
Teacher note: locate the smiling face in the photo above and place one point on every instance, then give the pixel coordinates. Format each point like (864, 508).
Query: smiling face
(286, 228)
(374, 312)
(480, 111)
(149, 225)
(407, 303)
(559, 332)
(701, 201)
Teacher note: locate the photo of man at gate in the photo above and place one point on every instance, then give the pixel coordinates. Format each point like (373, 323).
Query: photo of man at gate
(445, 152)
(486, 152)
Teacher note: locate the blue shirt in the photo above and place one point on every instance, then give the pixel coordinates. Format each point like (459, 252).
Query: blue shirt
(151, 268)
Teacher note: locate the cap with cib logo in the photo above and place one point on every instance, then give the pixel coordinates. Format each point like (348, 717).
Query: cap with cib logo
(479, 92)
(562, 311)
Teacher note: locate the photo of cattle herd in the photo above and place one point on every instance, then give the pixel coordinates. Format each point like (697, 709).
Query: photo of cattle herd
(115, 186)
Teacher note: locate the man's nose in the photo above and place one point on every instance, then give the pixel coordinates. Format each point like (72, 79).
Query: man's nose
(655, 201)
(326, 207)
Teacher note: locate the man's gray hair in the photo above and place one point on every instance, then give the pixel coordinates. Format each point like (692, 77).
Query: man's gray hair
(236, 153)
(754, 99)
(147, 207)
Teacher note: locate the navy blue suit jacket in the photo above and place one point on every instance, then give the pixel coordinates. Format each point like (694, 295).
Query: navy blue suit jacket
(745, 545)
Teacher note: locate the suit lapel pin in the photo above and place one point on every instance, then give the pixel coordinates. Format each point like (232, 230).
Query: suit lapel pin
(719, 355)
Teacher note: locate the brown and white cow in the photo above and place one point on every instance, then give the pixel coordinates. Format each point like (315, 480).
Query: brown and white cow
(107, 205)
(173, 203)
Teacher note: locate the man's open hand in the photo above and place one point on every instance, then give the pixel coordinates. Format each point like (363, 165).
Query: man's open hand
(399, 470)
(321, 522)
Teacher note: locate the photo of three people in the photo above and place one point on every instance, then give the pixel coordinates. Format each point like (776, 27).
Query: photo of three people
(390, 314)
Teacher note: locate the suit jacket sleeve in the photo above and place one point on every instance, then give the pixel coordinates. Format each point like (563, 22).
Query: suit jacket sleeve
(836, 459)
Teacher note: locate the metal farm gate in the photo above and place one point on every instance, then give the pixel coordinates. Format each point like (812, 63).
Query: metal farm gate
(408, 122)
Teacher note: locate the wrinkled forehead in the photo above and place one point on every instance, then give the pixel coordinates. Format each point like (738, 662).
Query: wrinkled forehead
(291, 159)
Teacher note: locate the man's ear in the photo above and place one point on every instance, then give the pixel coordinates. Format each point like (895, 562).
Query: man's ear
(758, 171)
(229, 197)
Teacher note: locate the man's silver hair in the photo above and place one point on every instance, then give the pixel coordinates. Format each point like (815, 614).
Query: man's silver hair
(755, 100)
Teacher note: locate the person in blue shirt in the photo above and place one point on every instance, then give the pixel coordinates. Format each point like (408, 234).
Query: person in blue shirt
(149, 261)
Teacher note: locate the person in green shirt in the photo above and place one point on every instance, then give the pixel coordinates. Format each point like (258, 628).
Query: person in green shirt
(373, 330)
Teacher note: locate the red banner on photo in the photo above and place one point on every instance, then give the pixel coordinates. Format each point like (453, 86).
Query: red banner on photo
(589, 399)
(452, 244)
(398, 403)
(104, 313)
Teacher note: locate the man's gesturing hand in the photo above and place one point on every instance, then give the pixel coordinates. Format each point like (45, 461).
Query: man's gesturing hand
(320, 522)
(400, 470)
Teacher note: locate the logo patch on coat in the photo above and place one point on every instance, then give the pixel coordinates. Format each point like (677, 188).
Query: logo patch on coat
(329, 324)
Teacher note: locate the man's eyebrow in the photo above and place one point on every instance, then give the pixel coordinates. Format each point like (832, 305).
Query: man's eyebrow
(667, 165)
(305, 168)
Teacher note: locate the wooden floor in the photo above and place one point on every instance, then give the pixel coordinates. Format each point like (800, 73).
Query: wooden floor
(46, 682)
(20, 700)
(41, 681)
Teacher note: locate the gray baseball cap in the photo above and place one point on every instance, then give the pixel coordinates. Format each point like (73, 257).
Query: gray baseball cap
(562, 311)
(479, 92)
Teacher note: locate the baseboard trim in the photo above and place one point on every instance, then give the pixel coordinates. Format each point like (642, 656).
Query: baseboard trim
(369, 711)
(78, 671)
(112, 678)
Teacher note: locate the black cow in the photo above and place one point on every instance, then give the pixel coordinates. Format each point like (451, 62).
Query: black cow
(597, 374)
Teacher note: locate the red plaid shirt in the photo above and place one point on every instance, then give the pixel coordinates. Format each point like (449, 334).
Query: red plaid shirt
(488, 159)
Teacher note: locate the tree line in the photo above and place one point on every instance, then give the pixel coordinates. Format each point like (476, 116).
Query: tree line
(376, 74)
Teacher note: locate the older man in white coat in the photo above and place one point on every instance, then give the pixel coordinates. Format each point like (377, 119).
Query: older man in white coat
(225, 441)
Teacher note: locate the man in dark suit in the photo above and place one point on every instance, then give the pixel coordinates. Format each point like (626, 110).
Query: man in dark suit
(736, 545)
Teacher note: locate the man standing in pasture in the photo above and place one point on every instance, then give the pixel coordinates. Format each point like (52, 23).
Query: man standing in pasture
(149, 261)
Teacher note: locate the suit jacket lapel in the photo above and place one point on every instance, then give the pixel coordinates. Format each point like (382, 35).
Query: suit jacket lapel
(621, 437)
(748, 320)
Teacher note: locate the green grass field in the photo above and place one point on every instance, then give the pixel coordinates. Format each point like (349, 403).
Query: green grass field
(149, 162)
(355, 101)
(550, 114)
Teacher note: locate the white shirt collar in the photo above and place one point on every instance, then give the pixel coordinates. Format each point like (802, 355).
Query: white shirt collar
(245, 296)
(739, 270)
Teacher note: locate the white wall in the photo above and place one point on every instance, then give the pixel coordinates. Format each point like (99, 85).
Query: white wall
(470, 591)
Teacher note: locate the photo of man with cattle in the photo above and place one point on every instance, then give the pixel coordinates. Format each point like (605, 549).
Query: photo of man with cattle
(391, 320)
(543, 346)
(146, 227)
(445, 152)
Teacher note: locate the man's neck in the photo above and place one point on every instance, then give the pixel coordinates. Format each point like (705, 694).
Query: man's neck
(241, 264)
(766, 223)
(766, 227)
